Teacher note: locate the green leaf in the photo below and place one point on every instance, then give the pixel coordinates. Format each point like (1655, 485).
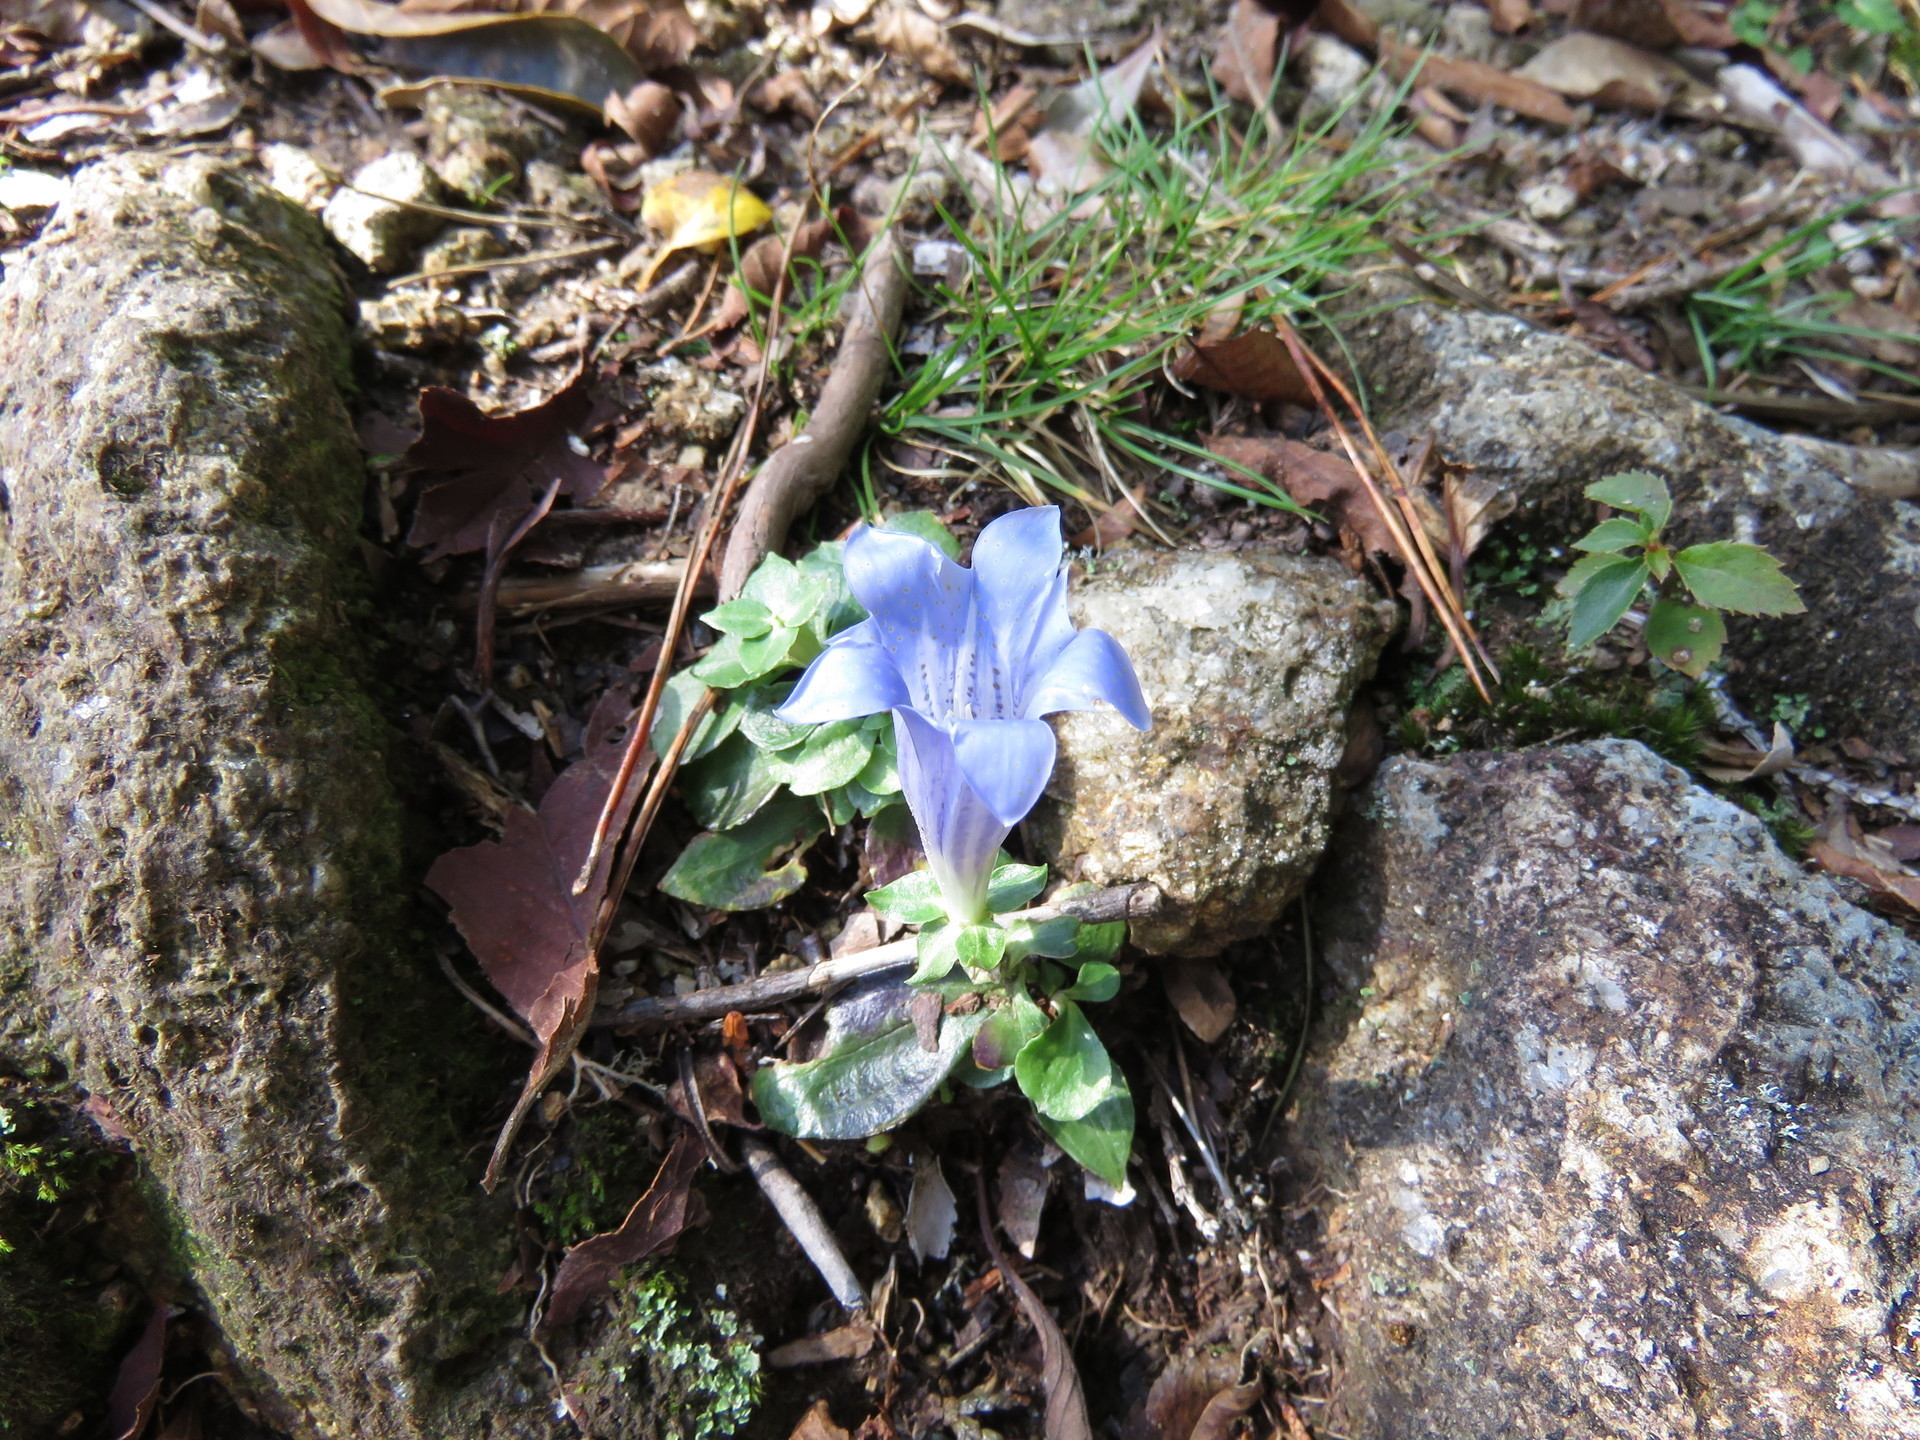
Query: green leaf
(937, 953)
(865, 802)
(913, 899)
(764, 728)
(926, 525)
(1056, 938)
(1601, 596)
(1102, 1139)
(1100, 942)
(1687, 637)
(867, 1084)
(882, 773)
(1098, 981)
(734, 869)
(743, 617)
(1613, 536)
(1065, 1070)
(1635, 490)
(729, 786)
(980, 947)
(681, 694)
(1012, 885)
(837, 608)
(1007, 1032)
(1742, 578)
(831, 756)
(735, 662)
(792, 594)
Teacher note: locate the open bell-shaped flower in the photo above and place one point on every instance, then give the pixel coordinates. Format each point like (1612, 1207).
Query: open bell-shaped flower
(968, 661)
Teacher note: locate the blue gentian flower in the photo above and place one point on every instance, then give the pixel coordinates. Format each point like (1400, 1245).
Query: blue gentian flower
(968, 661)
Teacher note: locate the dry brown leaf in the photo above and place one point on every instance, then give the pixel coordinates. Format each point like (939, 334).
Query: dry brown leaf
(648, 112)
(1254, 363)
(1482, 84)
(1179, 1396)
(848, 1342)
(1201, 995)
(1656, 24)
(914, 36)
(1021, 1196)
(1059, 1376)
(1510, 17)
(1313, 478)
(1061, 156)
(136, 1387)
(1609, 72)
(1243, 63)
(788, 91)
(817, 1424)
(656, 1220)
(1227, 1405)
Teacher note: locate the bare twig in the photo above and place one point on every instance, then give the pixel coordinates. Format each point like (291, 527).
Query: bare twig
(512, 262)
(802, 1217)
(1123, 902)
(807, 467)
(640, 582)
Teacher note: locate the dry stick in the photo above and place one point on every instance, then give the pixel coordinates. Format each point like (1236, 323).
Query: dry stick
(1123, 902)
(1389, 514)
(638, 582)
(803, 1218)
(808, 466)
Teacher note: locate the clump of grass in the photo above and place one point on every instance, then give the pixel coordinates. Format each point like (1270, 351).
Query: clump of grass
(1770, 309)
(1050, 366)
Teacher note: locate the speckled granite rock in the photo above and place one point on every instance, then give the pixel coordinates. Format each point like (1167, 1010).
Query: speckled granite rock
(1545, 415)
(201, 870)
(1249, 663)
(1619, 1112)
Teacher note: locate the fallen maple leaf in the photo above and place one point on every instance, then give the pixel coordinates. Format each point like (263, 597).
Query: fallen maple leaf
(514, 903)
(494, 466)
(655, 1222)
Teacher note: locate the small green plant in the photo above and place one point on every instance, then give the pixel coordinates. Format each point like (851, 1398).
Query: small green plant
(1766, 310)
(38, 1167)
(700, 1359)
(1627, 552)
(760, 787)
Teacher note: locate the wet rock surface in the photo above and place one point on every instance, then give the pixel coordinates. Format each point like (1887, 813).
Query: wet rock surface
(1545, 415)
(203, 873)
(1615, 1107)
(1249, 663)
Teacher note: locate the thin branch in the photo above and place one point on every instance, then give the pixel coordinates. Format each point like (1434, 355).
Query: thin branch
(802, 1217)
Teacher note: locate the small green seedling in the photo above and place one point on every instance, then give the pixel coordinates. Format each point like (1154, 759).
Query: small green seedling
(1626, 551)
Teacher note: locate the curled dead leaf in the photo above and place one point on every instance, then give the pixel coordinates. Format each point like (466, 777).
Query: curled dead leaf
(648, 112)
(1254, 363)
(911, 34)
(655, 1222)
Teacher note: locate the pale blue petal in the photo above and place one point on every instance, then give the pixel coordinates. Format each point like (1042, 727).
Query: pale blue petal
(1015, 562)
(921, 608)
(960, 834)
(1006, 763)
(1090, 669)
(852, 677)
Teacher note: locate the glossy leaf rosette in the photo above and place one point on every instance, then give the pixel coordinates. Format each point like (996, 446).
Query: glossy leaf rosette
(968, 661)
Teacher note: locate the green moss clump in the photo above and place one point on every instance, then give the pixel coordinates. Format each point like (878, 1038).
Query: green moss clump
(699, 1361)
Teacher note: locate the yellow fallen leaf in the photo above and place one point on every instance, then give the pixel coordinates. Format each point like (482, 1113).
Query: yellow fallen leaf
(698, 210)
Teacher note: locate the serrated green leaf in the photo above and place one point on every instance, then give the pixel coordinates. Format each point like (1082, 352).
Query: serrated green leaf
(728, 787)
(1008, 1029)
(1098, 982)
(1101, 1140)
(1065, 1070)
(735, 662)
(743, 617)
(867, 1084)
(1012, 885)
(1687, 637)
(925, 525)
(913, 899)
(1610, 537)
(1606, 593)
(734, 869)
(829, 757)
(1742, 578)
(1638, 491)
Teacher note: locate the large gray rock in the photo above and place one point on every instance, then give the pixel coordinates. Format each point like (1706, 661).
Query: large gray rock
(202, 882)
(1249, 663)
(1545, 415)
(1618, 1113)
